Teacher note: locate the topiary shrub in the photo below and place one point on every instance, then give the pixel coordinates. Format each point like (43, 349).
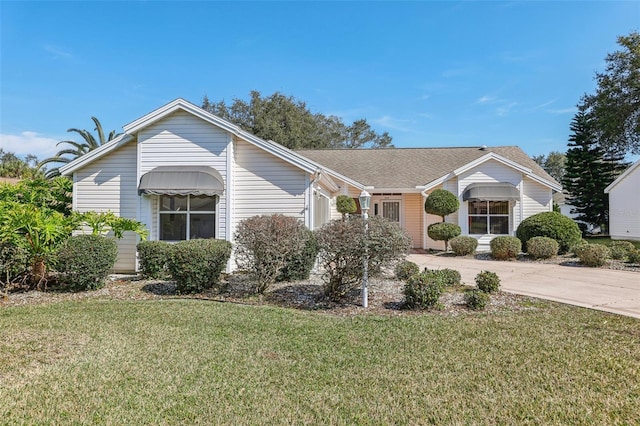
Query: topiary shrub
(594, 255)
(542, 247)
(14, 262)
(449, 277)
(443, 231)
(196, 265)
(405, 269)
(153, 257)
(423, 290)
(441, 203)
(487, 281)
(343, 246)
(346, 205)
(264, 245)
(620, 249)
(476, 299)
(463, 245)
(84, 261)
(505, 247)
(298, 265)
(553, 225)
(634, 256)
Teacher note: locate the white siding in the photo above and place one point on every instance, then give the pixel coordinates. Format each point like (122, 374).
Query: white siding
(536, 198)
(624, 208)
(110, 184)
(182, 139)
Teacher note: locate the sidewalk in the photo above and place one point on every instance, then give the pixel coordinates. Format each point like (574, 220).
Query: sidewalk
(603, 289)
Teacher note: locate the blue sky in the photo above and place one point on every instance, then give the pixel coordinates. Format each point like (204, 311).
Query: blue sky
(429, 73)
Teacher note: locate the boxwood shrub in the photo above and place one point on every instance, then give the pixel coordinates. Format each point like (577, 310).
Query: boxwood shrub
(195, 265)
(449, 277)
(620, 250)
(298, 264)
(405, 269)
(463, 245)
(553, 225)
(477, 299)
(153, 257)
(84, 261)
(634, 256)
(14, 262)
(542, 247)
(423, 290)
(487, 281)
(505, 247)
(594, 255)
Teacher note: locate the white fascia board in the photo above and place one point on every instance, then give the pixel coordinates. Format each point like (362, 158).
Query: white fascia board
(492, 156)
(436, 182)
(89, 157)
(396, 190)
(622, 176)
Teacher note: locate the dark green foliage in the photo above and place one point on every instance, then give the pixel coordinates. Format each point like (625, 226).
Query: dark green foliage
(553, 225)
(463, 245)
(345, 205)
(153, 257)
(298, 265)
(443, 231)
(405, 269)
(14, 262)
(554, 164)
(423, 290)
(505, 247)
(196, 265)
(594, 255)
(441, 203)
(620, 250)
(477, 299)
(84, 261)
(542, 247)
(487, 281)
(448, 277)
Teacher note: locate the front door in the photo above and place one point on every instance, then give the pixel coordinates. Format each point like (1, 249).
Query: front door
(391, 210)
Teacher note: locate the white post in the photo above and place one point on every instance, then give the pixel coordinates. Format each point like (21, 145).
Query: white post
(365, 198)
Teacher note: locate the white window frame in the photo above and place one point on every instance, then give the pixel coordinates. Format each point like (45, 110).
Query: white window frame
(489, 215)
(187, 213)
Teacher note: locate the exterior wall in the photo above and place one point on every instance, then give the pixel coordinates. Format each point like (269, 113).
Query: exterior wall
(413, 208)
(111, 184)
(536, 198)
(624, 208)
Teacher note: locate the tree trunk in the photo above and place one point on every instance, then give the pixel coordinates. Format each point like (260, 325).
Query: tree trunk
(38, 272)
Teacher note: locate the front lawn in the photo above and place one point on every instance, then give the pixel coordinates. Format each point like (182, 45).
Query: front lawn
(186, 361)
(607, 241)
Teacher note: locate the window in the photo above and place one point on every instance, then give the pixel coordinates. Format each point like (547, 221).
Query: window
(489, 217)
(187, 217)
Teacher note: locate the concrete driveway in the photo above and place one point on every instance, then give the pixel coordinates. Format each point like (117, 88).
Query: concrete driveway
(603, 289)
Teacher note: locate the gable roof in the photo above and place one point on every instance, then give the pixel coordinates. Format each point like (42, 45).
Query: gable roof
(406, 168)
(623, 176)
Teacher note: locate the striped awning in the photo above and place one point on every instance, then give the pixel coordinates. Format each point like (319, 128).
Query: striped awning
(498, 191)
(182, 180)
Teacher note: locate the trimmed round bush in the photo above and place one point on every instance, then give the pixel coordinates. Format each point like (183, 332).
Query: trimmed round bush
(449, 277)
(505, 247)
(346, 205)
(423, 290)
(196, 265)
(405, 269)
(577, 249)
(14, 262)
(298, 264)
(443, 231)
(594, 255)
(553, 225)
(620, 249)
(476, 299)
(542, 247)
(441, 202)
(84, 261)
(153, 257)
(634, 256)
(487, 281)
(463, 245)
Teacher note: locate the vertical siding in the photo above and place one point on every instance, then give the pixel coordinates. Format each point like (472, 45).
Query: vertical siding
(413, 208)
(110, 184)
(182, 139)
(624, 208)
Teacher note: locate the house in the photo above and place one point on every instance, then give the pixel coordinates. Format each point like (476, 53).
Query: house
(624, 205)
(186, 173)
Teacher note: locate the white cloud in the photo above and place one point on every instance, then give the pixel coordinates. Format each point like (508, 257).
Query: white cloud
(505, 109)
(57, 51)
(29, 143)
(571, 110)
(392, 123)
(485, 100)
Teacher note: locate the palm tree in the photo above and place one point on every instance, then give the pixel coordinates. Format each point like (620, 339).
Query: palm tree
(78, 148)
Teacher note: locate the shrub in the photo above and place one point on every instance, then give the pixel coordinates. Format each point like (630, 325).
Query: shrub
(264, 244)
(553, 225)
(487, 281)
(196, 265)
(298, 265)
(577, 249)
(477, 299)
(463, 245)
(14, 262)
(441, 203)
(343, 246)
(594, 255)
(423, 290)
(345, 205)
(405, 269)
(443, 231)
(505, 247)
(153, 257)
(449, 277)
(542, 247)
(620, 250)
(634, 256)
(84, 261)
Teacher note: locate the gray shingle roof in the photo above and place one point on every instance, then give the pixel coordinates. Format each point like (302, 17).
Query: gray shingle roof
(410, 167)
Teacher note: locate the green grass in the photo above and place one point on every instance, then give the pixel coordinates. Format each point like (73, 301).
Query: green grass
(199, 362)
(607, 241)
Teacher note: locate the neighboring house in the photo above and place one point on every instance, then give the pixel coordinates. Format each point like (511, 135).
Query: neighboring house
(186, 173)
(624, 205)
